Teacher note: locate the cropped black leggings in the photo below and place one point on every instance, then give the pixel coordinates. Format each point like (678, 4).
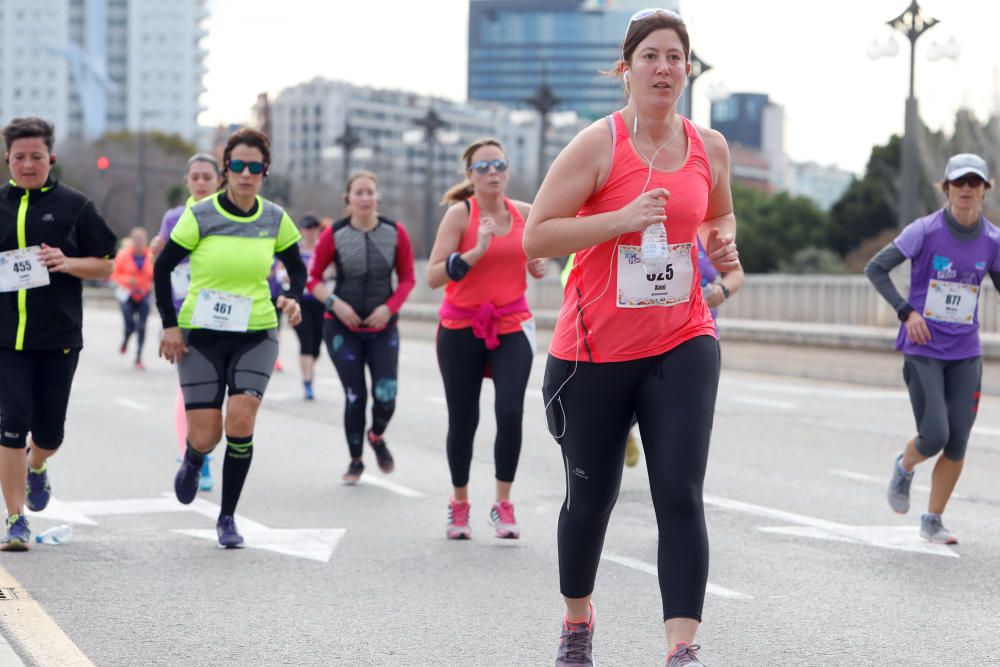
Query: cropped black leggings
(673, 395)
(462, 359)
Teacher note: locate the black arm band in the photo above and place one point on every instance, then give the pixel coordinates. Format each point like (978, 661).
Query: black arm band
(456, 267)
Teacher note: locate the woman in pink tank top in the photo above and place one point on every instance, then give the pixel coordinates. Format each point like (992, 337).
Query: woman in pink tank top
(633, 337)
(486, 326)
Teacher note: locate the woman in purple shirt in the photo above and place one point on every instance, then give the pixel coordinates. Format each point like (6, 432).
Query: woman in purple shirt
(950, 251)
(203, 177)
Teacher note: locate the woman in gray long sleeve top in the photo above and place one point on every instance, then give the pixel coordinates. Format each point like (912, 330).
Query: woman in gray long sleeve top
(950, 251)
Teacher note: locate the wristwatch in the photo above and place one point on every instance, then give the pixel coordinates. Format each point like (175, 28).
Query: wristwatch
(725, 290)
(904, 312)
(328, 304)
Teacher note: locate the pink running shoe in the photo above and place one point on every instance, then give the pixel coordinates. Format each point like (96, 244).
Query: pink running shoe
(502, 519)
(458, 520)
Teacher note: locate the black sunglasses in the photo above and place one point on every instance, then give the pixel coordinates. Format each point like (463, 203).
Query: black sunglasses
(971, 180)
(238, 166)
(483, 166)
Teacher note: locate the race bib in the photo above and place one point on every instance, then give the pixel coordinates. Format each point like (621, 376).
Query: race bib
(180, 281)
(528, 327)
(637, 289)
(22, 269)
(951, 302)
(221, 311)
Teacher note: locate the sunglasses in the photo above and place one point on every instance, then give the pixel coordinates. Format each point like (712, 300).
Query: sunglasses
(238, 167)
(971, 180)
(646, 13)
(483, 166)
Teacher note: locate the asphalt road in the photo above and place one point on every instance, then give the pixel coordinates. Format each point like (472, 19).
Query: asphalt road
(809, 566)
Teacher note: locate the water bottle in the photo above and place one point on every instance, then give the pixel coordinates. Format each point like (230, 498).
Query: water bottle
(654, 249)
(55, 535)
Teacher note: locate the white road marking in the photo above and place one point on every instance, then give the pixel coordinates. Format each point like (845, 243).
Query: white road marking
(130, 404)
(39, 637)
(764, 403)
(905, 538)
(862, 477)
(440, 400)
(711, 589)
(534, 393)
(309, 543)
(62, 512)
(985, 430)
(381, 482)
(824, 392)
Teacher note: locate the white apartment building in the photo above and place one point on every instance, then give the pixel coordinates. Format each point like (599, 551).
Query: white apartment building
(94, 66)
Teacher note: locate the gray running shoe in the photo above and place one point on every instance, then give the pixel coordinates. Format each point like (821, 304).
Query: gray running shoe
(684, 655)
(576, 643)
(899, 487)
(932, 530)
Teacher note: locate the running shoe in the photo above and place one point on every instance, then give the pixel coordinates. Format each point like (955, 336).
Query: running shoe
(308, 386)
(277, 366)
(932, 530)
(385, 462)
(124, 347)
(39, 489)
(186, 481)
(18, 535)
(502, 519)
(139, 366)
(354, 470)
(684, 655)
(631, 451)
(576, 643)
(458, 520)
(205, 478)
(229, 537)
(899, 487)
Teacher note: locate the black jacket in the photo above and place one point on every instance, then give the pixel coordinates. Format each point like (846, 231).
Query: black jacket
(52, 316)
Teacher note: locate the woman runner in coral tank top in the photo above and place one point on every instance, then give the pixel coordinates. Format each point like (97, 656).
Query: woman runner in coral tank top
(631, 338)
(486, 326)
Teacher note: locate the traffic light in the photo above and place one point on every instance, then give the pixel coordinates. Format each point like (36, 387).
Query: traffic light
(103, 164)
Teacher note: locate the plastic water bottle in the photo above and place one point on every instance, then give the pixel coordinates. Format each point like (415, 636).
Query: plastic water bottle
(55, 535)
(654, 249)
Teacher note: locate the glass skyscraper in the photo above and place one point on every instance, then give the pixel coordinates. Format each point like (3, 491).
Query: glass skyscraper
(517, 45)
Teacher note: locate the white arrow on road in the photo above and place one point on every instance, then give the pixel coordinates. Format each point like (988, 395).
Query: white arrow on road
(309, 543)
(902, 538)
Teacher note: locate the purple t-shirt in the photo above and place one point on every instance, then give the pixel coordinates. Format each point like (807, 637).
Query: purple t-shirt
(708, 273)
(170, 219)
(945, 267)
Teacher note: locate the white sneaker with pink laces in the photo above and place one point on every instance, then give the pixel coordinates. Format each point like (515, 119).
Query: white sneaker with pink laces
(458, 520)
(502, 519)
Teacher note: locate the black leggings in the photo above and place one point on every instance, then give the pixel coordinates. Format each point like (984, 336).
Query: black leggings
(135, 314)
(310, 329)
(673, 395)
(463, 360)
(34, 396)
(351, 351)
(945, 400)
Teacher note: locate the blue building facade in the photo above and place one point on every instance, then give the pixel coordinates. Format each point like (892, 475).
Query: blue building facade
(517, 45)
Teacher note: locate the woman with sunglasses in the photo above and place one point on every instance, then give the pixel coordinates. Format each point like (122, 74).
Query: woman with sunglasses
(950, 253)
(633, 338)
(361, 312)
(486, 327)
(225, 334)
(202, 178)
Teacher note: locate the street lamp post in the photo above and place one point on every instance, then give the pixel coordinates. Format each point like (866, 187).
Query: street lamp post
(543, 101)
(348, 141)
(698, 67)
(430, 124)
(912, 23)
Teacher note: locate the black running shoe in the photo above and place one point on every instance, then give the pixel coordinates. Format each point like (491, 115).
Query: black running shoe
(382, 455)
(354, 471)
(229, 537)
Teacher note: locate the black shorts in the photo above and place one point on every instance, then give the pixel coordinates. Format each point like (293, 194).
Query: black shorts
(215, 360)
(34, 396)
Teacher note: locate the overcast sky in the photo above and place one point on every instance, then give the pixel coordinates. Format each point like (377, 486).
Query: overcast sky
(809, 56)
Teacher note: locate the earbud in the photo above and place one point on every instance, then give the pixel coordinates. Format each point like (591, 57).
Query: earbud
(52, 159)
(626, 75)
